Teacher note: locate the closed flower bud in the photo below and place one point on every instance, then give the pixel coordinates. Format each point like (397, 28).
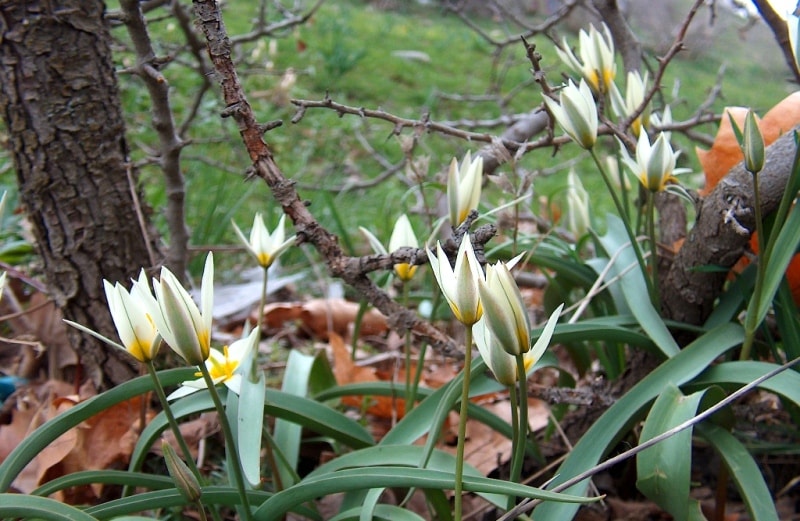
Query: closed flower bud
(181, 324)
(184, 480)
(464, 187)
(752, 144)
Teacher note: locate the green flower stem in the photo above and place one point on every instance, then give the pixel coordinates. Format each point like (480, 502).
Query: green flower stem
(230, 442)
(651, 231)
(176, 431)
(173, 424)
(631, 236)
(411, 389)
(750, 324)
(261, 303)
(519, 423)
(418, 374)
(462, 426)
(623, 189)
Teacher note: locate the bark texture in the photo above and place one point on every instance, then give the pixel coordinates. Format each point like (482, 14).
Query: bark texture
(720, 236)
(61, 107)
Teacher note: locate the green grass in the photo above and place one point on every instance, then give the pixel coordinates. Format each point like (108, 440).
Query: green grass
(347, 51)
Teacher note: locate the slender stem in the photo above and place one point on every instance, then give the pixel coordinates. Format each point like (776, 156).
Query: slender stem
(651, 231)
(230, 442)
(622, 179)
(514, 472)
(750, 322)
(273, 465)
(262, 302)
(173, 423)
(520, 424)
(410, 388)
(418, 373)
(623, 214)
(201, 510)
(462, 425)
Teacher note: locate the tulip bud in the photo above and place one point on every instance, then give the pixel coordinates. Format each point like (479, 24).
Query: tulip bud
(459, 285)
(577, 113)
(464, 187)
(752, 144)
(185, 481)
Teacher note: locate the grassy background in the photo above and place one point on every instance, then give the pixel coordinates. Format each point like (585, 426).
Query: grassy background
(348, 51)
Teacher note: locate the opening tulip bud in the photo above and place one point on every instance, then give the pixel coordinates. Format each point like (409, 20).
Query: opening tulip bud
(464, 187)
(577, 113)
(459, 285)
(266, 247)
(403, 236)
(655, 164)
(596, 63)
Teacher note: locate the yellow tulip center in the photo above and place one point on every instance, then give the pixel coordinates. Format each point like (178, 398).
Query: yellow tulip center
(222, 370)
(405, 271)
(140, 351)
(264, 259)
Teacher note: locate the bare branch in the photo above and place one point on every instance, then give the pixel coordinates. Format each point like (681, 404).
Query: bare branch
(170, 145)
(308, 228)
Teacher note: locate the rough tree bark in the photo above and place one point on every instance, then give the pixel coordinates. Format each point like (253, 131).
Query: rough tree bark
(61, 107)
(720, 236)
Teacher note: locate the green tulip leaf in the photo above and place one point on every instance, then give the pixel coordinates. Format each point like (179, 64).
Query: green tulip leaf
(634, 288)
(409, 477)
(35, 442)
(620, 417)
(35, 507)
(743, 470)
(664, 470)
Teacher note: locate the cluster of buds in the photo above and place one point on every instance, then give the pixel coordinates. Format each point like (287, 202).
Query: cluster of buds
(576, 109)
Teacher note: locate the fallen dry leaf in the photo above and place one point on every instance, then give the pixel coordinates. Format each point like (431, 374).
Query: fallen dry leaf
(319, 317)
(725, 153)
(104, 441)
(347, 371)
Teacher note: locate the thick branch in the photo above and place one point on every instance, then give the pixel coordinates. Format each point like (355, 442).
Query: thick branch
(721, 234)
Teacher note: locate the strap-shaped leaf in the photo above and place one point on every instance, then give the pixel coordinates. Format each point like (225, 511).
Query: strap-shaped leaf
(361, 478)
(621, 416)
(35, 507)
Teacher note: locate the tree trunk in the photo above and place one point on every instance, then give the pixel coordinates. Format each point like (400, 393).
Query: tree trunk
(61, 106)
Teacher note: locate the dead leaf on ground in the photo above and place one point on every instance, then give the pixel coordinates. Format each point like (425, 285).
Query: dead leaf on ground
(104, 441)
(347, 371)
(320, 317)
